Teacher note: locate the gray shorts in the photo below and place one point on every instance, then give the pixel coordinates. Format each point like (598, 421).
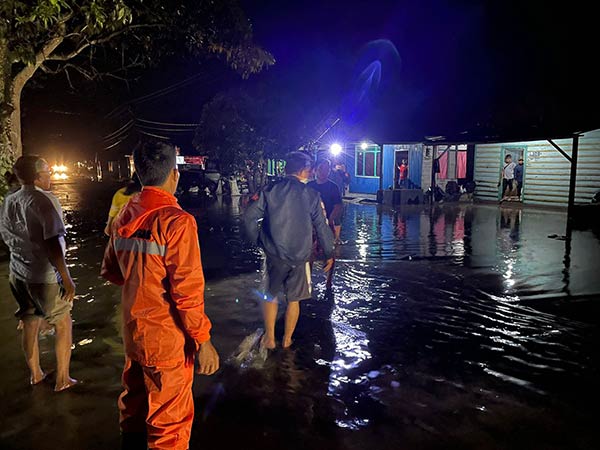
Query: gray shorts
(283, 280)
(39, 300)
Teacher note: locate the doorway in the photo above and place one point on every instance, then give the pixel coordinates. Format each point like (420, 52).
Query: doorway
(401, 173)
(518, 154)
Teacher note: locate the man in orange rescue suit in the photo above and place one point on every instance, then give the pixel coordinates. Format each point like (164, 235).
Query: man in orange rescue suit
(154, 254)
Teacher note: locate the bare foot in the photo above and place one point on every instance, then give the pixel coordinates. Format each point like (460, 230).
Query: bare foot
(59, 387)
(287, 342)
(46, 328)
(33, 380)
(268, 343)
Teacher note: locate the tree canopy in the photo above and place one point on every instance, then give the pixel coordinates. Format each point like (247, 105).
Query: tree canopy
(95, 39)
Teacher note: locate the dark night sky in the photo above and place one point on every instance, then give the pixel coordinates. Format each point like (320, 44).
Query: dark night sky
(435, 67)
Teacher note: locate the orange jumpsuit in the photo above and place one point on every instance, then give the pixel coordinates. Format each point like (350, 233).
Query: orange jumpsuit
(154, 254)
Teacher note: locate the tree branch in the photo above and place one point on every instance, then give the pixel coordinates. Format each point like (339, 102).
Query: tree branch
(84, 44)
(27, 72)
(91, 73)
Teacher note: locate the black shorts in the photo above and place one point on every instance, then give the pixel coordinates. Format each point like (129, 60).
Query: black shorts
(283, 280)
(507, 185)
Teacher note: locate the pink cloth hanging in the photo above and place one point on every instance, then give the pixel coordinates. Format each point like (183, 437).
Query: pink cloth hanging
(461, 165)
(443, 166)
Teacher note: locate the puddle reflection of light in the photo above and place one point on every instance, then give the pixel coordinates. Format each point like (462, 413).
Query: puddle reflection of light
(458, 248)
(509, 282)
(363, 250)
(361, 241)
(351, 345)
(352, 424)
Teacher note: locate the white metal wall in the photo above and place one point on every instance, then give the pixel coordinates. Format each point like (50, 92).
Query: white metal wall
(547, 172)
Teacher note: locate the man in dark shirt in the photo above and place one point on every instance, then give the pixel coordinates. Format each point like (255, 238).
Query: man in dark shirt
(519, 177)
(330, 195)
(281, 221)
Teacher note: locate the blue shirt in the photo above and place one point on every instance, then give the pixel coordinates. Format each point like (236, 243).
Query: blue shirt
(519, 173)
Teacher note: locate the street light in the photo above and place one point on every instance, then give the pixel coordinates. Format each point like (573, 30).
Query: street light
(335, 149)
(364, 145)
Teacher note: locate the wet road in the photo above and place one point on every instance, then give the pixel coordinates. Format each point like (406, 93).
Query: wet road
(462, 327)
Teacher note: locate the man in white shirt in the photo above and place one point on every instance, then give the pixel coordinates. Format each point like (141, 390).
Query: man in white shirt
(508, 177)
(31, 225)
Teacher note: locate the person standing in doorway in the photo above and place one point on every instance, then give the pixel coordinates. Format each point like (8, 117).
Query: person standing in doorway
(281, 221)
(519, 177)
(507, 176)
(403, 174)
(32, 227)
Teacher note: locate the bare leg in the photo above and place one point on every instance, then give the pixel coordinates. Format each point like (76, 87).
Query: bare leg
(31, 329)
(291, 319)
(329, 282)
(62, 348)
(270, 317)
(337, 231)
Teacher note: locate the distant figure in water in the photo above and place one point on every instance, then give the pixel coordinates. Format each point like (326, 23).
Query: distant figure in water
(31, 225)
(120, 199)
(334, 208)
(281, 220)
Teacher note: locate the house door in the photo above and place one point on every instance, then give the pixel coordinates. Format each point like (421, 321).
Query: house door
(517, 155)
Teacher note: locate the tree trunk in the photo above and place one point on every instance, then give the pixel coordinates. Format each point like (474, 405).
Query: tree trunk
(11, 88)
(15, 120)
(6, 154)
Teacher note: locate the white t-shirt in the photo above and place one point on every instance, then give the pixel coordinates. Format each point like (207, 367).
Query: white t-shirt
(509, 171)
(28, 218)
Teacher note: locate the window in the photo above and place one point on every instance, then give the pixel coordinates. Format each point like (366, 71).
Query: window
(367, 161)
(452, 160)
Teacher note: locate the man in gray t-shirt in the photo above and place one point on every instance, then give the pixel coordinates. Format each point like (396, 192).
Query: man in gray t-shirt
(31, 225)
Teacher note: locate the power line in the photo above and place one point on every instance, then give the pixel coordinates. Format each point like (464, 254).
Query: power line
(157, 93)
(170, 130)
(153, 135)
(173, 124)
(115, 144)
(115, 133)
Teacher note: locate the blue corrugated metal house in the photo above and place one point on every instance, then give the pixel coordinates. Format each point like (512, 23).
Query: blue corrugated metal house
(367, 162)
(373, 167)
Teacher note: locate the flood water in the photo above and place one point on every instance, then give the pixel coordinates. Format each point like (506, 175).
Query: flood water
(458, 327)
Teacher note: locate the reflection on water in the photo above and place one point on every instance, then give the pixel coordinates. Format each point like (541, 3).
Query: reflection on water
(451, 327)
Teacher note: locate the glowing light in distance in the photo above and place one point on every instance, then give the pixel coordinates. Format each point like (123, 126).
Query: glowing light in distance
(62, 168)
(335, 148)
(364, 145)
